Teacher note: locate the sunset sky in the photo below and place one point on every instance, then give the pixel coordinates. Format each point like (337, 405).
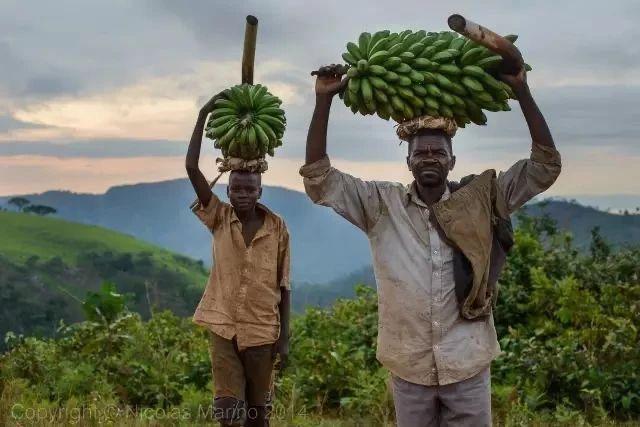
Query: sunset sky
(95, 94)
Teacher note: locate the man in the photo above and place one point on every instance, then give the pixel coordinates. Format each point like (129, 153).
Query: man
(245, 304)
(437, 250)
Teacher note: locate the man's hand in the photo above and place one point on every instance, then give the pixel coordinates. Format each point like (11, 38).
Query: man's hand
(210, 105)
(517, 82)
(330, 81)
(281, 347)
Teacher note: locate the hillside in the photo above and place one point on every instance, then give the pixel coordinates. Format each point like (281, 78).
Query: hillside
(620, 230)
(48, 264)
(324, 246)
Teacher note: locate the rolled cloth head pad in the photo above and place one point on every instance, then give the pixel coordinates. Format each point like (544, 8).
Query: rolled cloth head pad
(406, 130)
(235, 163)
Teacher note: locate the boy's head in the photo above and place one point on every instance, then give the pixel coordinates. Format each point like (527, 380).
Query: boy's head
(244, 190)
(430, 157)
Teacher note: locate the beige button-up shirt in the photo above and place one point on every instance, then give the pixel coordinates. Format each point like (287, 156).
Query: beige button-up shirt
(242, 294)
(421, 336)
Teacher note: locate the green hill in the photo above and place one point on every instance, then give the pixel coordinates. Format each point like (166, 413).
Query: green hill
(47, 266)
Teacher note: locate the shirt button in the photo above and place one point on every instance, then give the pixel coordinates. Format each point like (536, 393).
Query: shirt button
(436, 347)
(434, 370)
(435, 252)
(436, 323)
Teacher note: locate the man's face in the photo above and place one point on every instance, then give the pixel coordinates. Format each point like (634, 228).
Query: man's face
(244, 190)
(430, 159)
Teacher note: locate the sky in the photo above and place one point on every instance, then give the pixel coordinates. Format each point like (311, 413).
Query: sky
(96, 94)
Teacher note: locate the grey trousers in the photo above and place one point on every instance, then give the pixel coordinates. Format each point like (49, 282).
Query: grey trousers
(462, 404)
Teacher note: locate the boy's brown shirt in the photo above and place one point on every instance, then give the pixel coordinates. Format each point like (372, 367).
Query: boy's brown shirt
(242, 294)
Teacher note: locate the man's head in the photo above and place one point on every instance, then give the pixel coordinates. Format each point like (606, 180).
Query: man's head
(430, 157)
(244, 190)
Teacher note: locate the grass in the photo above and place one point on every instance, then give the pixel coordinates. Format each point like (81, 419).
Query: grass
(26, 235)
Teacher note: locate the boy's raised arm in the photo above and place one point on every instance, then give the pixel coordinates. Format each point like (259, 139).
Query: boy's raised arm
(198, 180)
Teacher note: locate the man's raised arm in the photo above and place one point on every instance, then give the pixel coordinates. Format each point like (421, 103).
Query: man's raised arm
(530, 177)
(328, 83)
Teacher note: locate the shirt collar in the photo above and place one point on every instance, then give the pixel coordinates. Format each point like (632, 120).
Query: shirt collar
(412, 194)
(268, 223)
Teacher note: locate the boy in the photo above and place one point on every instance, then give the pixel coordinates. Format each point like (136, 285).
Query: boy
(245, 304)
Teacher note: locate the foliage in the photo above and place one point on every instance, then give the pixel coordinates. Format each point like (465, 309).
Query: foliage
(19, 202)
(567, 323)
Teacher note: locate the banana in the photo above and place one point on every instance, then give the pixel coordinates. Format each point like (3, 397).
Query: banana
(407, 57)
(450, 69)
(392, 62)
(404, 81)
(473, 71)
(380, 97)
(349, 58)
(352, 72)
(403, 69)
(226, 103)
(431, 103)
(442, 57)
(397, 104)
(376, 46)
(377, 70)
(354, 51)
(363, 43)
(446, 111)
(378, 57)
(443, 82)
(363, 66)
(472, 84)
(224, 111)
(419, 90)
(489, 62)
(472, 55)
(416, 48)
(457, 43)
(354, 85)
(428, 52)
(433, 90)
(365, 89)
(391, 77)
(378, 83)
(416, 77)
(448, 99)
(429, 77)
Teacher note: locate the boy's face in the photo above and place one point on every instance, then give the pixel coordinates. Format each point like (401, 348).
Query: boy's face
(244, 190)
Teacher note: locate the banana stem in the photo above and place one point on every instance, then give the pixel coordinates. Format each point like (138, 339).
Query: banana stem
(249, 50)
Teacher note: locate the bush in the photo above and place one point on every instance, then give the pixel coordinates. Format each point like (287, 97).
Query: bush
(568, 324)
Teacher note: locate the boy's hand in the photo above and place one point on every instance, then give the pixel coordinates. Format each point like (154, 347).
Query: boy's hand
(281, 347)
(329, 81)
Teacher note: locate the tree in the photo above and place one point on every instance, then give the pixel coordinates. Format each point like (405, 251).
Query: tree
(40, 210)
(19, 202)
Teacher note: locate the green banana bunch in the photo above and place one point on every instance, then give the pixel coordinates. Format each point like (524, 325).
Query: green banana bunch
(404, 75)
(247, 122)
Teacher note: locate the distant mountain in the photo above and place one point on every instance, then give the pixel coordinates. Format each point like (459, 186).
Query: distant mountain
(325, 247)
(617, 229)
(47, 265)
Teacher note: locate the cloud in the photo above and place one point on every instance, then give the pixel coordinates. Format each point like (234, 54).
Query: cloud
(159, 108)
(8, 123)
(123, 79)
(29, 173)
